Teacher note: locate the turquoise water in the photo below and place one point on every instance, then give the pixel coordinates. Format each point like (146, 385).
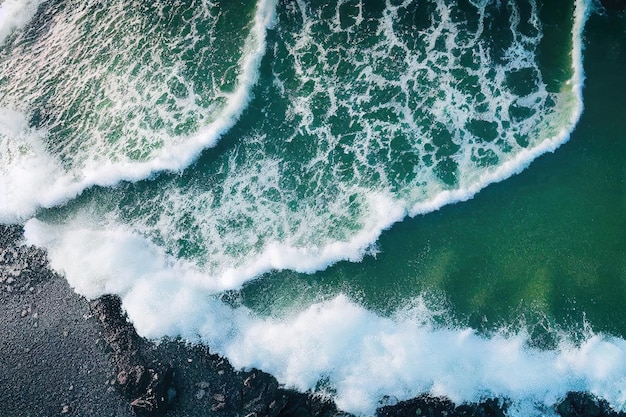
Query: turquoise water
(296, 184)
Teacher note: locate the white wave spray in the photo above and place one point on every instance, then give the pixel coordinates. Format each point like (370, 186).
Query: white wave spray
(15, 14)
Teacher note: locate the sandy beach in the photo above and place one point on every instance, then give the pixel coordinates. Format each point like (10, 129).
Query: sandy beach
(53, 357)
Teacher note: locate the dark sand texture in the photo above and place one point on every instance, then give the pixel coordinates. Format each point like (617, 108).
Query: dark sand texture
(52, 356)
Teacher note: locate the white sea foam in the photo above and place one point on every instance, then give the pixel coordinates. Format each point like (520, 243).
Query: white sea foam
(416, 108)
(571, 111)
(15, 14)
(84, 168)
(28, 171)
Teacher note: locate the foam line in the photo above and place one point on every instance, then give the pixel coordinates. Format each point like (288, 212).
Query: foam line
(114, 243)
(64, 186)
(526, 156)
(365, 357)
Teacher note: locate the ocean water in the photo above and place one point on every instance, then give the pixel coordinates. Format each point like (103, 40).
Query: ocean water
(296, 184)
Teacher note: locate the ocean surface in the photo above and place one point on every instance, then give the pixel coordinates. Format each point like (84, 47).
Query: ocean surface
(351, 195)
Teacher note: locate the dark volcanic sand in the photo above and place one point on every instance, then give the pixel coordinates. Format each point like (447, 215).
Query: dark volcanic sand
(52, 357)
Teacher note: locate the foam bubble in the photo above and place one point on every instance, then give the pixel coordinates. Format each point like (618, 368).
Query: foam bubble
(15, 14)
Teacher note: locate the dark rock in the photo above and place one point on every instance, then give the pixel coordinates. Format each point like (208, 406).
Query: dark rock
(308, 405)
(150, 390)
(158, 395)
(21, 267)
(258, 392)
(424, 405)
(490, 408)
(9, 234)
(428, 406)
(118, 332)
(580, 404)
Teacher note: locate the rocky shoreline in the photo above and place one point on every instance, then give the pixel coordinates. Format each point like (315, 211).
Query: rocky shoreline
(65, 356)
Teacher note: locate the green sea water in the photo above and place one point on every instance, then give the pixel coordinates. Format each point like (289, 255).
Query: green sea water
(549, 243)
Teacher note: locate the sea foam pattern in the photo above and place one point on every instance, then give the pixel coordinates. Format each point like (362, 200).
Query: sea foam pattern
(338, 155)
(115, 93)
(362, 115)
